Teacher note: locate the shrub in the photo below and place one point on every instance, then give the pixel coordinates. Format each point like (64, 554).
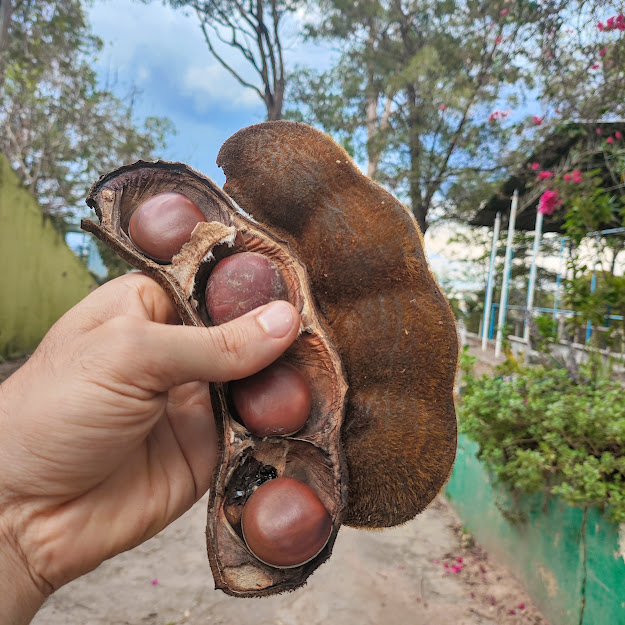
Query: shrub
(538, 430)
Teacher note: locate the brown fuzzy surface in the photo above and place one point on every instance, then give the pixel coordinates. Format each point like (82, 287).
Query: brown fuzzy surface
(392, 326)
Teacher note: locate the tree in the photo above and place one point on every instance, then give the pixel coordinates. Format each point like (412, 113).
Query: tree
(57, 128)
(252, 28)
(425, 87)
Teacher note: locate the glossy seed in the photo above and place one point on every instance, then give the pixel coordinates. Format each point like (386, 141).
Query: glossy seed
(284, 523)
(274, 402)
(240, 283)
(160, 226)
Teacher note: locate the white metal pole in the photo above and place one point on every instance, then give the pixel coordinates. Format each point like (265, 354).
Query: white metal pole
(503, 300)
(538, 230)
(491, 283)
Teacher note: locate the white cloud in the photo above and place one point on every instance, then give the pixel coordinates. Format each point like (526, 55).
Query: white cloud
(211, 84)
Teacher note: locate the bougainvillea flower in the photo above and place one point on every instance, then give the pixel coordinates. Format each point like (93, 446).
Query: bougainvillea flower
(617, 134)
(603, 52)
(495, 115)
(600, 26)
(595, 66)
(544, 175)
(598, 131)
(155, 582)
(503, 12)
(548, 202)
(567, 177)
(499, 39)
(535, 166)
(610, 139)
(521, 606)
(537, 120)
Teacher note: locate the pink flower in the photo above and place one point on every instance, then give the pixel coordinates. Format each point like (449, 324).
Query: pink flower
(595, 66)
(442, 107)
(617, 134)
(544, 175)
(600, 26)
(503, 12)
(610, 139)
(548, 202)
(446, 565)
(456, 568)
(521, 606)
(537, 120)
(535, 166)
(603, 52)
(499, 39)
(511, 612)
(495, 115)
(598, 131)
(576, 173)
(567, 177)
(459, 559)
(155, 582)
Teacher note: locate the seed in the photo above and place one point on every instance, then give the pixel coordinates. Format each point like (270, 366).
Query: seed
(161, 225)
(274, 402)
(284, 523)
(240, 283)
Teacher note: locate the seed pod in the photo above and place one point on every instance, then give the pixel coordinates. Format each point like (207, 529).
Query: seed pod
(352, 261)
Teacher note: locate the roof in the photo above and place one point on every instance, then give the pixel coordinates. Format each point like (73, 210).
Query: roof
(551, 153)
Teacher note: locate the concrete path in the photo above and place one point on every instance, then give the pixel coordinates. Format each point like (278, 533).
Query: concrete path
(426, 572)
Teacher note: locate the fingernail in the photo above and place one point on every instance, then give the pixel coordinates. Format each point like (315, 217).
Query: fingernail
(276, 319)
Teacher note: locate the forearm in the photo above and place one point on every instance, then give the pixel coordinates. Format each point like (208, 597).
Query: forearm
(19, 596)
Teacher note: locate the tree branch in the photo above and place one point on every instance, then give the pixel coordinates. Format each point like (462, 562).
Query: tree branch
(224, 64)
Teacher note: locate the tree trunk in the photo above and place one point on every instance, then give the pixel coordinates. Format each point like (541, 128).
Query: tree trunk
(274, 102)
(414, 174)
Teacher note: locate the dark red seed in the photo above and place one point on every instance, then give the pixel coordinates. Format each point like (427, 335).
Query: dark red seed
(160, 226)
(274, 402)
(240, 283)
(285, 523)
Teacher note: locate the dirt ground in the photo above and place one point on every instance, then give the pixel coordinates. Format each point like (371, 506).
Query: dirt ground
(427, 572)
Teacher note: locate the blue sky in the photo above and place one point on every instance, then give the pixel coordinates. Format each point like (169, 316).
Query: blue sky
(162, 52)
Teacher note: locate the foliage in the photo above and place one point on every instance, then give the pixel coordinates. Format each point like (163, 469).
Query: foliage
(538, 430)
(59, 130)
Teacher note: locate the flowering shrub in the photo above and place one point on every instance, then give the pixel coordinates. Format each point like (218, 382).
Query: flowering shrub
(540, 431)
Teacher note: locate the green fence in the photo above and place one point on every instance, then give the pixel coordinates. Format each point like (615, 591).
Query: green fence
(572, 562)
(40, 277)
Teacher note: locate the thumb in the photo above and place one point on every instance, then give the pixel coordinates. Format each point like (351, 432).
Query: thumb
(162, 356)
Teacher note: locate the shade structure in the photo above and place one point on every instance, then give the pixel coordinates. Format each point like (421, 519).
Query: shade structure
(553, 154)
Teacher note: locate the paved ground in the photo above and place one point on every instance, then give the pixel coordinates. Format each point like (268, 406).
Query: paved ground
(427, 572)
(403, 576)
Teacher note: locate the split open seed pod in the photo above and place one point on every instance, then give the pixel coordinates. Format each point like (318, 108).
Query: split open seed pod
(378, 347)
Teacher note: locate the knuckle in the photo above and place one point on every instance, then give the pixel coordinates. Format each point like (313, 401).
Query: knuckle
(228, 341)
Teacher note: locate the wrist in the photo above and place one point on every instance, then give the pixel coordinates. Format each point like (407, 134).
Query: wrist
(21, 596)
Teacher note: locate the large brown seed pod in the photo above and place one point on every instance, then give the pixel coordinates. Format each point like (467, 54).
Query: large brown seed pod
(351, 256)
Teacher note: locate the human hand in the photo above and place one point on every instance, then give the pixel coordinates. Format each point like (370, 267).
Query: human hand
(108, 433)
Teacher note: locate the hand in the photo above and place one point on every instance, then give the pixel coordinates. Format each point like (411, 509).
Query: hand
(108, 433)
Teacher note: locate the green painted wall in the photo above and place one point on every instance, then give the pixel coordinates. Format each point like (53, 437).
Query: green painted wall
(572, 566)
(40, 277)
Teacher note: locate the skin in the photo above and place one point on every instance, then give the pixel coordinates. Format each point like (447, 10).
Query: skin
(108, 434)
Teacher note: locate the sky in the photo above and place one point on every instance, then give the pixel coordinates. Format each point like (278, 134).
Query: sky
(162, 53)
